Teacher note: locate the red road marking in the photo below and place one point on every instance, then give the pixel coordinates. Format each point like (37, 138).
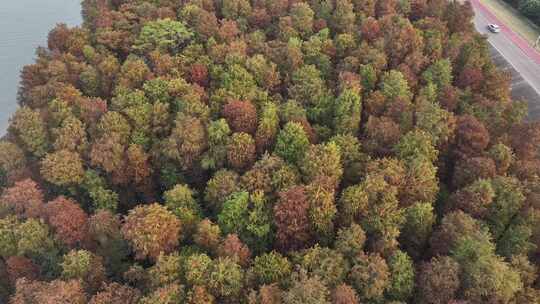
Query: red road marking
(516, 39)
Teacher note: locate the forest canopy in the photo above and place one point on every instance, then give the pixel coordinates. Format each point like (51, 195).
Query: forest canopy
(269, 152)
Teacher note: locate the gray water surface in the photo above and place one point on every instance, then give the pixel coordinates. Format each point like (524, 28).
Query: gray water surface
(24, 25)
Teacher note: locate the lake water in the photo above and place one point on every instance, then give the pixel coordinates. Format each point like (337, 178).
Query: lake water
(24, 25)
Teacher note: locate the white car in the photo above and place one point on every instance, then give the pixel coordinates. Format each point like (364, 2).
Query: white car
(493, 28)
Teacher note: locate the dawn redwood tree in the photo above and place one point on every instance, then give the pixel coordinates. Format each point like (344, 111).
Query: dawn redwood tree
(187, 141)
(68, 220)
(307, 289)
(63, 168)
(271, 268)
(322, 164)
(241, 116)
(344, 294)
(233, 248)
(151, 229)
(168, 294)
(207, 235)
(180, 200)
(114, 293)
(199, 295)
(471, 169)
(438, 280)
(25, 199)
(472, 137)
(18, 267)
(29, 128)
(86, 267)
(12, 160)
(292, 142)
(267, 294)
(327, 264)
(369, 276)
(241, 151)
(107, 241)
(219, 187)
(57, 291)
(292, 219)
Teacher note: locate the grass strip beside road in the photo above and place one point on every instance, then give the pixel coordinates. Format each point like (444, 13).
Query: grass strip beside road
(513, 19)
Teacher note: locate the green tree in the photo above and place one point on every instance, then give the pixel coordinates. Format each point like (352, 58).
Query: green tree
(233, 217)
(347, 112)
(417, 228)
(402, 276)
(439, 73)
(164, 35)
(322, 163)
(327, 264)
(218, 139)
(249, 217)
(196, 269)
(416, 143)
(83, 265)
(180, 200)
(268, 127)
(394, 85)
(225, 278)
(302, 18)
(166, 270)
(309, 88)
(219, 187)
(30, 129)
(350, 241)
(271, 268)
(292, 143)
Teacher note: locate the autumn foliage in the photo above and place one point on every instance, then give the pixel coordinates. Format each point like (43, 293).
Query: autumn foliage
(269, 152)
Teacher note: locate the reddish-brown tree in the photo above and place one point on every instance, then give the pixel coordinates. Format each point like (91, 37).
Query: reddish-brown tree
(438, 280)
(344, 294)
(233, 247)
(472, 137)
(470, 77)
(370, 29)
(116, 293)
(25, 199)
(199, 74)
(525, 140)
(57, 291)
(469, 170)
(21, 267)
(241, 116)
(291, 216)
(69, 221)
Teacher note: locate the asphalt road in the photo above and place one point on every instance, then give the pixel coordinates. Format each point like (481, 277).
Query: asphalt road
(511, 52)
